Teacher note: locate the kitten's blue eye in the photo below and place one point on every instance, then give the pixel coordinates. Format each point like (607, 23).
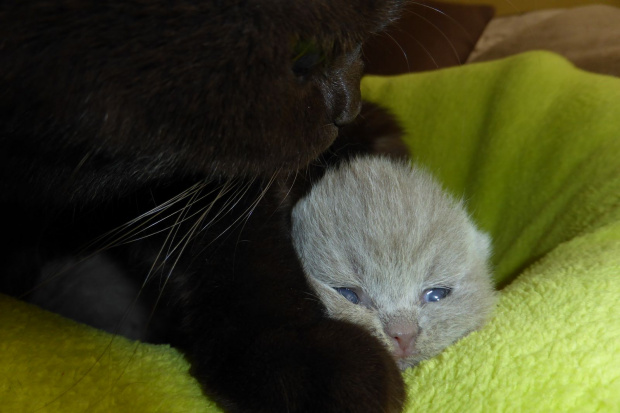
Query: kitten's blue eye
(349, 294)
(435, 294)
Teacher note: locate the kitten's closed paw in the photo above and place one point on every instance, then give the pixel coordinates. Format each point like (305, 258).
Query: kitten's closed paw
(331, 367)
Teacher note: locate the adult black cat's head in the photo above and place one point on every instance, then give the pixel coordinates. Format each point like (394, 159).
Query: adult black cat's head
(231, 87)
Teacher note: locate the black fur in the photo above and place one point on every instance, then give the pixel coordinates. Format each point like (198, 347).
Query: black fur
(108, 109)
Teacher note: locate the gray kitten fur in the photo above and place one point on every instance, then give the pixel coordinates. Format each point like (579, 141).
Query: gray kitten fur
(389, 232)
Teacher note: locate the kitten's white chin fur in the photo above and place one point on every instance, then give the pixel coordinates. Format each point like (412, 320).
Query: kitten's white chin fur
(388, 231)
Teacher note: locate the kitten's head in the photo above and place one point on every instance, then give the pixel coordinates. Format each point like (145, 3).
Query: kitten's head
(236, 87)
(386, 248)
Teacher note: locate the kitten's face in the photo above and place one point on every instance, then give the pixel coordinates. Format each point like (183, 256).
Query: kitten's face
(226, 87)
(384, 247)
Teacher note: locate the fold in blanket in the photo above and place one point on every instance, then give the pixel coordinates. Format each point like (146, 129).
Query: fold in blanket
(588, 36)
(533, 145)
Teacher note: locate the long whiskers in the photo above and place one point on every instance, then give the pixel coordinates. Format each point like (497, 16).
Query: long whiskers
(401, 49)
(124, 233)
(247, 213)
(452, 19)
(456, 54)
(198, 226)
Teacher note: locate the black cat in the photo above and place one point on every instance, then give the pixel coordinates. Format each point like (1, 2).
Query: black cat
(108, 110)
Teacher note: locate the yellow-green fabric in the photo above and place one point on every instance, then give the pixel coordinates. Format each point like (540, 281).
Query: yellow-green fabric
(51, 364)
(533, 145)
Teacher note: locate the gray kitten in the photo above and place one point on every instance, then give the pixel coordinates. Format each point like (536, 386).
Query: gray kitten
(385, 247)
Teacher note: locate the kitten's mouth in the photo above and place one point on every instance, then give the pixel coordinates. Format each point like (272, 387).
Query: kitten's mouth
(405, 363)
(406, 360)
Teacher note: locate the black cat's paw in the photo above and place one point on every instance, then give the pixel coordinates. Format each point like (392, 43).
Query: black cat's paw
(355, 373)
(330, 367)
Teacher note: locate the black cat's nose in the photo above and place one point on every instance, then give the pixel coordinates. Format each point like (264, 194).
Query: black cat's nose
(345, 90)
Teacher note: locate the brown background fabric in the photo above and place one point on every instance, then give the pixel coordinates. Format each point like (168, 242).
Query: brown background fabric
(429, 35)
(587, 36)
(511, 7)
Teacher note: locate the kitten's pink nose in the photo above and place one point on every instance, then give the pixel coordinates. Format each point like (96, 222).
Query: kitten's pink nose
(405, 344)
(404, 339)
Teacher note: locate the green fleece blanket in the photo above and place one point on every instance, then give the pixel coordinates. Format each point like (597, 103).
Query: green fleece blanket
(533, 145)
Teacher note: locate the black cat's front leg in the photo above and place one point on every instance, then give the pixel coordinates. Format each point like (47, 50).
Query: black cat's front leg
(288, 370)
(258, 339)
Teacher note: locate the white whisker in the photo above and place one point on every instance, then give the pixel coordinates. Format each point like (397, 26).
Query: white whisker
(456, 54)
(452, 19)
(401, 49)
